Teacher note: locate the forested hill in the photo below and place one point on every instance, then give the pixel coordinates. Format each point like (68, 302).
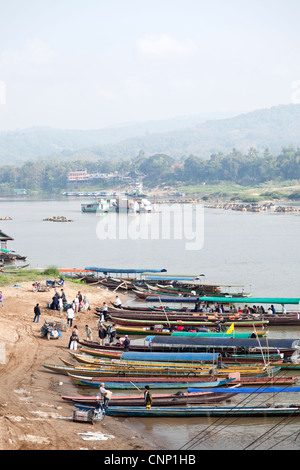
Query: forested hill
(274, 128)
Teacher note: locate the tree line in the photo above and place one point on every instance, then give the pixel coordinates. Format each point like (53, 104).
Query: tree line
(236, 167)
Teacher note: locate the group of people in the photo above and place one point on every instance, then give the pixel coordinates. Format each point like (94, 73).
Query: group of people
(59, 302)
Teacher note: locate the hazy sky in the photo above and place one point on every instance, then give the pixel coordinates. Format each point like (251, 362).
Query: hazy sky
(81, 64)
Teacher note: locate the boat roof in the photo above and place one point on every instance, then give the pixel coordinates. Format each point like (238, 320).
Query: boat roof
(261, 389)
(252, 300)
(122, 270)
(148, 274)
(166, 356)
(214, 284)
(291, 343)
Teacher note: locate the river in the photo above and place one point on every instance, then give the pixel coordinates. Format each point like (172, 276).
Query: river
(259, 250)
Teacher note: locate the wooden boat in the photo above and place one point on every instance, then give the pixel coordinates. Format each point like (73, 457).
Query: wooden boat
(235, 359)
(131, 383)
(169, 399)
(151, 358)
(165, 370)
(205, 411)
(224, 346)
(144, 363)
(164, 331)
(129, 322)
(160, 314)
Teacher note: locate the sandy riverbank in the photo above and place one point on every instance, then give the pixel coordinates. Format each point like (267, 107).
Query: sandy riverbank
(32, 414)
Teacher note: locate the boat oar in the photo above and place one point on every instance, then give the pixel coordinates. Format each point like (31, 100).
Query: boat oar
(164, 311)
(136, 387)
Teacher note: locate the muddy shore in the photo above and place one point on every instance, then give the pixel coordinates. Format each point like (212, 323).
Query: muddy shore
(32, 414)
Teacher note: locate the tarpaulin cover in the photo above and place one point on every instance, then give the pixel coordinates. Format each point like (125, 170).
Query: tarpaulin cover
(176, 357)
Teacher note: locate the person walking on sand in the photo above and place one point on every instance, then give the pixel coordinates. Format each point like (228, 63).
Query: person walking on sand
(1, 299)
(37, 313)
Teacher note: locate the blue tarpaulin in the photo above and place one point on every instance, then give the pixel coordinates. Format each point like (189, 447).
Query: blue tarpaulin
(175, 357)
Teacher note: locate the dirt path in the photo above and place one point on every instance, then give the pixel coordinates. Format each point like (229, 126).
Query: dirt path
(32, 414)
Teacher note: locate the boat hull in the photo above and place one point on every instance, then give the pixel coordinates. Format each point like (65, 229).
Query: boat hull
(184, 412)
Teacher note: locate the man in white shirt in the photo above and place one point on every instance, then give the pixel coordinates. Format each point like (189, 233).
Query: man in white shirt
(105, 394)
(70, 316)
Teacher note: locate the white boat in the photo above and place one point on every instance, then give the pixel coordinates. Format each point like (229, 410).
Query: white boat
(145, 206)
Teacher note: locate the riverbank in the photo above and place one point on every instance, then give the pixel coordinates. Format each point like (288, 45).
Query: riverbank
(32, 414)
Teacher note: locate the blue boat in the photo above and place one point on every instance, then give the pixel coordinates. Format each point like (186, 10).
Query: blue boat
(204, 411)
(84, 381)
(249, 390)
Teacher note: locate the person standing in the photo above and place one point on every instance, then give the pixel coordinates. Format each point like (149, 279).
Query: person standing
(104, 310)
(111, 334)
(86, 303)
(63, 296)
(88, 333)
(70, 316)
(76, 302)
(1, 299)
(102, 335)
(37, 313)
(74, 338)
(60, 305)
(126, 344)
(148, 397)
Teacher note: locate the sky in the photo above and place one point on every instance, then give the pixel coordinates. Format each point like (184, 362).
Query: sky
(90, 64)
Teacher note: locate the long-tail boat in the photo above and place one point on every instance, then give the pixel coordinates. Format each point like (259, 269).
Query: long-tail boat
(131, 383)
(128, 322)
(225, 346)
(163, 399)
(166, 370)
(193, 411)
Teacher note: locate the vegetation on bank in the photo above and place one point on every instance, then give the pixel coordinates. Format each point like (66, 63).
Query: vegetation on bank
(236, 170)
(23, 275)
(32, 275)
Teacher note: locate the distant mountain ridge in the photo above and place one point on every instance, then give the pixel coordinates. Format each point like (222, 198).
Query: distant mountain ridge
(273, 128)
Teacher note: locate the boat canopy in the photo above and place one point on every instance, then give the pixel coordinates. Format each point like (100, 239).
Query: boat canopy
(155, 298)
(217, 335)
(194, 341)
(246, 390)
(123, 270)
(176, 357)
(252, 300)
(170, 277)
